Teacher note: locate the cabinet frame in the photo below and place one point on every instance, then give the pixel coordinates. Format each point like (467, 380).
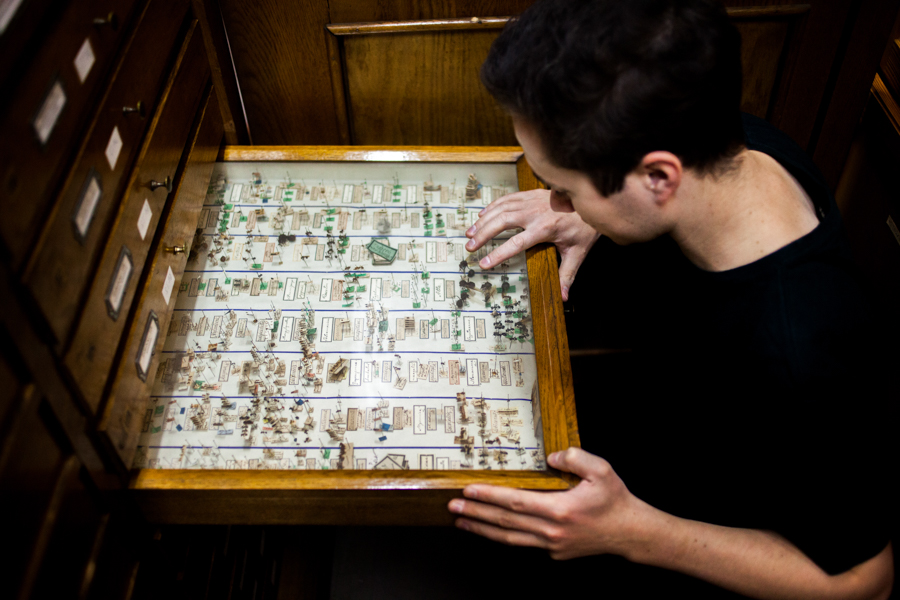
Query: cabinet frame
(351, 497)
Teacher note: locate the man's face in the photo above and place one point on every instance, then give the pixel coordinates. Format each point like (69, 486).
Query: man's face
(630, 215)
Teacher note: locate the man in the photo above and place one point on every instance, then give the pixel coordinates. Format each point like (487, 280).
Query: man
(747, 454)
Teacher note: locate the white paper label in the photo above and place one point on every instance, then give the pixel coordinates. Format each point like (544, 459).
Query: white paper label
(144, 219)
(120, 279)
(86, 208)
(149, 344)
(84, 60)
(236, 192)
(113, 147)
(49, 113)
(8, 10)
(168, 284)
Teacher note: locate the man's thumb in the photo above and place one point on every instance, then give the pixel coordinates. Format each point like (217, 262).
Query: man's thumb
(577, 461)
(567, 269)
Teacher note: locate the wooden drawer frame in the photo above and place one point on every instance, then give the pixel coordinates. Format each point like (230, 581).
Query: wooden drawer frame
(380, 497)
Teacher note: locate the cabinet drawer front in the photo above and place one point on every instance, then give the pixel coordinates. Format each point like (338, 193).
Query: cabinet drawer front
(67, 252)
(49, 104)
(109, 300)
(123, 414)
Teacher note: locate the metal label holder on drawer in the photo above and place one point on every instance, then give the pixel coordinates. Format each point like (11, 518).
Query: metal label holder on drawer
(345, 496)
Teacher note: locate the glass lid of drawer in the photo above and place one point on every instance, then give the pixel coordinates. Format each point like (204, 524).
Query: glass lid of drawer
(330, 317)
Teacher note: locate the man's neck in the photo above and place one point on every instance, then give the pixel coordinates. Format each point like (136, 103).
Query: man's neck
(734, 219)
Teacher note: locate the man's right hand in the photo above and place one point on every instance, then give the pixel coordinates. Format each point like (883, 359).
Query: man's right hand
(532, 212)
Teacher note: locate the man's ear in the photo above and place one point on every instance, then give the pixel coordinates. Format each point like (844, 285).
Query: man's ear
(660, 173)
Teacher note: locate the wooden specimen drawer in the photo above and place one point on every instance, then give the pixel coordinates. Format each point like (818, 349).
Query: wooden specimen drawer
(109, 300)
(121, 420)
(50, 102)
(187, 473)
(66, 254)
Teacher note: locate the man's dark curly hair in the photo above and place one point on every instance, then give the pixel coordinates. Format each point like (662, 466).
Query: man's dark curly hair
(607, 81)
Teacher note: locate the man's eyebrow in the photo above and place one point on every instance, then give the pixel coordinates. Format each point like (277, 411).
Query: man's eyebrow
(538, 177)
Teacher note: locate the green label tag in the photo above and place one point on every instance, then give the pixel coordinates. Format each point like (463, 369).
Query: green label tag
(382, 249)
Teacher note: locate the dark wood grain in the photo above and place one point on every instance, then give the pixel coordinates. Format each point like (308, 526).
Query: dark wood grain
(762, 48)
(890, 66)
(222, 67)
(31, 169)
(350, 11)
(282, 65)
(336, 71)
(61, 265)
(811, 48)
(422, 89)
(123, 409)
(865, 47)
(34, 356)
(93, 348)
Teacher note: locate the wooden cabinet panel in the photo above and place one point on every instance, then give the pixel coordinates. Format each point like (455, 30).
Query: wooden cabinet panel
(72, 239)
(34, 466)
(123, 413)
(422, 88)
(48, 108)
(63, 571)
(93, 347)
(282, 65)
(17, 33)
(762, 47)
(354, 11)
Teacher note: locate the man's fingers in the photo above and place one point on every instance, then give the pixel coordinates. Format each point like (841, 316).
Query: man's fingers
(509, 537)
(581, 463)
(487, 228)
(496, 515)
(514, 245)
(537, 504)
(568, 267)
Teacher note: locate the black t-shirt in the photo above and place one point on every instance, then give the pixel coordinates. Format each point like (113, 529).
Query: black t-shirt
(751, 399)
(756, 396)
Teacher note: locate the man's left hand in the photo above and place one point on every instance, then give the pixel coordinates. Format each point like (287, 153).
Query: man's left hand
(597, 516)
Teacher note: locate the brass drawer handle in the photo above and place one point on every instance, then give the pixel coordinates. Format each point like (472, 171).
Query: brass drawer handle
(174, 249)
(158, 184)
(111, 19)
(139, 109)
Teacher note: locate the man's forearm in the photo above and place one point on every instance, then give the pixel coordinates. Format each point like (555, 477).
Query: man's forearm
(755, 563)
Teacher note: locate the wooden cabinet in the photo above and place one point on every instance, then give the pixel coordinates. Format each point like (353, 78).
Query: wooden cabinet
(110, 127)
(120, 423)
(151, 186)
(65, 255)
(56, 85)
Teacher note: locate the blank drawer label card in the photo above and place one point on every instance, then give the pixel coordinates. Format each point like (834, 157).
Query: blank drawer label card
(84, 60)
(113, 148)
(144, 220)
(48, 114)
(148, 344)
(87, 205)
(118, 284)
(168, 285)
